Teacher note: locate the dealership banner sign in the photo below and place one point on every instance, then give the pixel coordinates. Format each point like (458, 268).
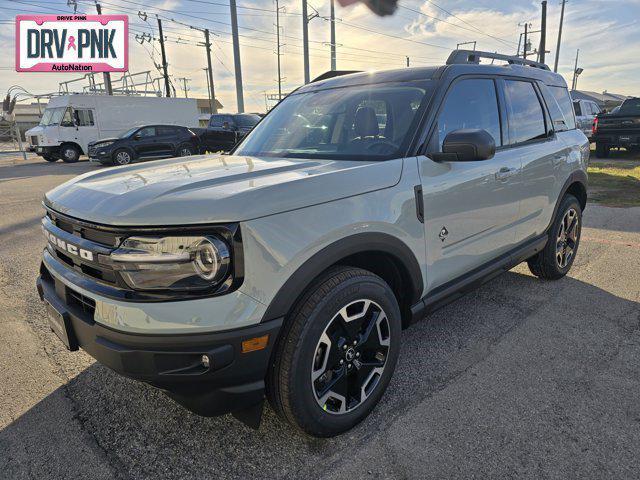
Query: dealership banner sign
(72, 43)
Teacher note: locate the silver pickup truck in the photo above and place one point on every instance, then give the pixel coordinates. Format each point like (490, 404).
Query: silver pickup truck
(289, 268)
(586, 112)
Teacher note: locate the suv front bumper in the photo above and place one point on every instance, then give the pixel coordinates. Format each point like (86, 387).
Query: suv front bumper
(233, 381)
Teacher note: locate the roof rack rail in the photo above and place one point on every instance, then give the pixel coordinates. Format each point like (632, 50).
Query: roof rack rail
(474, 56)
(334, 73)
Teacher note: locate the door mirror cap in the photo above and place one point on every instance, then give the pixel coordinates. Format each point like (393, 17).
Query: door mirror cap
(137, 136)
(226, 126)
(466, 145)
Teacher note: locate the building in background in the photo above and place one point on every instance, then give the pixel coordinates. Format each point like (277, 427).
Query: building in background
(204, 110)
(605, 100)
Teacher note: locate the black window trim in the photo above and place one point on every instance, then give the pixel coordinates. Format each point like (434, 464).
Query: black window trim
(550, 134)
(500, 104)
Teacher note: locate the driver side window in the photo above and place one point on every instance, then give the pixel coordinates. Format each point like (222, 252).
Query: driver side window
(470, 103)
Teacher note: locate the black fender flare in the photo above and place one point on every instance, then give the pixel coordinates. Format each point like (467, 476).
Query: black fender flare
(578, 176)
(332, 254)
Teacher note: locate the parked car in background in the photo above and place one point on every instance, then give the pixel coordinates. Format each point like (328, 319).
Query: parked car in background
(586, 111)
(290, 268)
(71, 122)
(144, 143)
(620, 129)
(226, 130)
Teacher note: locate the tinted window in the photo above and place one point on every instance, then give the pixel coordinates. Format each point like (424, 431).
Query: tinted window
(470, 104)
(630, 107)
(84, 118)
(340, 123)
(561, 94)
(167, 131)
(216, 120)
(526, 117)
(559, 123)
(247, 120)
(147, 132)
(577, 108)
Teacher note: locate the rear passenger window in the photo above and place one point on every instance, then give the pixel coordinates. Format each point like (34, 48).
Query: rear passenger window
(470, 103)
(526, 117)
(561, 94)
(557, 117)
(166, 131)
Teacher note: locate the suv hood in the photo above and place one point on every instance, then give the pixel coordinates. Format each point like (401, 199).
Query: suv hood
(213, 189)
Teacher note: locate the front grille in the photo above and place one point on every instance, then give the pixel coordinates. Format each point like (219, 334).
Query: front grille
(34, 140)
(95, 234)
(92, 151)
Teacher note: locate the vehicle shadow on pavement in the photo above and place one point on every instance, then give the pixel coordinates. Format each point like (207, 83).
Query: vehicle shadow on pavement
(43, 168)
(141, 433)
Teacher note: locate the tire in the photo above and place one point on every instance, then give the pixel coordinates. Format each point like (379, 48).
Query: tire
(185, 150)
(122, 156)
(302, 352)
(50, 158)
(551, 263)
(69, 153)
(602, 150)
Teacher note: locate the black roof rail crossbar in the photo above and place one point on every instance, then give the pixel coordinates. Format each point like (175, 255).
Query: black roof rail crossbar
(334, 73)
(474, 56)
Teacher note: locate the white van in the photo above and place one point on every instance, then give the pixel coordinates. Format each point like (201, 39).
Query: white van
(71, 122)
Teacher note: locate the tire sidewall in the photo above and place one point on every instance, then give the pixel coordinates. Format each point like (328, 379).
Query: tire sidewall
(115, 156)
(182, 147)
(305, 406)
(76, 154)
(568, 202)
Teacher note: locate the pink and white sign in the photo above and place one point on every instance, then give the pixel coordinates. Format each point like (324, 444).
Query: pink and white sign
(72, 43)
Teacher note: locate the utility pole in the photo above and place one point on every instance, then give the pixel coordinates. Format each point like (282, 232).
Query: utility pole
(524, 52)
(212, 91)
(105, 75)
(206, 72)
(555, 65)
(543, 33)
(407, 62)
(184, 81)
(278, 48)
(333, 35)
(164, 59)
(236, 56)
(575, 70)
(305, 40)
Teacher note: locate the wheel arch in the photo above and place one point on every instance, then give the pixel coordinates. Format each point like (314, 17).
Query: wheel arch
(380, 253)
(575, 185)
(129, 149)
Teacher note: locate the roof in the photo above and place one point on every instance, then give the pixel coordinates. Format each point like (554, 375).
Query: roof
(598, 97)
(427, 73)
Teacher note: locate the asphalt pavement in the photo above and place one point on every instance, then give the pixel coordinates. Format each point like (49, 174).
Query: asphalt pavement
(520, 379)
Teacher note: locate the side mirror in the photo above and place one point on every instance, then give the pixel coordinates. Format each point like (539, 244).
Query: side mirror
(466, 145)
(137, 136)
(225, 125)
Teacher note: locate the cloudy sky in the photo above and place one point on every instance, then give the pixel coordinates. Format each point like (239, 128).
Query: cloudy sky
(606, 32)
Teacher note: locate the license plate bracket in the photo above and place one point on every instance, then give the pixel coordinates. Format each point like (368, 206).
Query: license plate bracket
(60, 324)
(624, 138)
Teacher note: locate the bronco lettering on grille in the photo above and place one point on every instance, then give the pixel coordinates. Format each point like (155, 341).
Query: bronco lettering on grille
(68, 247)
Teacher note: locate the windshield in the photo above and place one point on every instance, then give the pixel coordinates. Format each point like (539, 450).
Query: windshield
(128, 133)
(52, 116)
(368, 122)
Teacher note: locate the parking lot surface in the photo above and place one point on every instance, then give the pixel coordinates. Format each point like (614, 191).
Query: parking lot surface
(520, 379)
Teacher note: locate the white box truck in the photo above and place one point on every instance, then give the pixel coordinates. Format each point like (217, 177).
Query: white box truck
(70, 122)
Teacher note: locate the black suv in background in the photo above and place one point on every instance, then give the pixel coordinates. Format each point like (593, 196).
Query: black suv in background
(225, 130)
(143, 143)
(618, 129)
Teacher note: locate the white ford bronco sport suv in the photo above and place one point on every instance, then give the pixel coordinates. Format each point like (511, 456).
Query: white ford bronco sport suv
(289, 268)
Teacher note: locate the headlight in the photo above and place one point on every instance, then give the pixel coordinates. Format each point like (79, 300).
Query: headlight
(175, 263)
(103, 144)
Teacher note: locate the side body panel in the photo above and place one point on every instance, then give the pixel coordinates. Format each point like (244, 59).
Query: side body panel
(276, 246)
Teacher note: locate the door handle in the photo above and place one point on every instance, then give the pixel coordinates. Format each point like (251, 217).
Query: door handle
(505, 173)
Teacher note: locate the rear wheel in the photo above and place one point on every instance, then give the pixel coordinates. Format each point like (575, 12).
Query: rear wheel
(337, 352)
(121, 157)
(70, 153)
(556, 259)
(602, 150)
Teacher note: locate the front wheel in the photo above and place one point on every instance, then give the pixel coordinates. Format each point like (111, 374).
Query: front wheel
(70, 153)
(337, 353)
(557, 257)
(185, 151)
(121, 157)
